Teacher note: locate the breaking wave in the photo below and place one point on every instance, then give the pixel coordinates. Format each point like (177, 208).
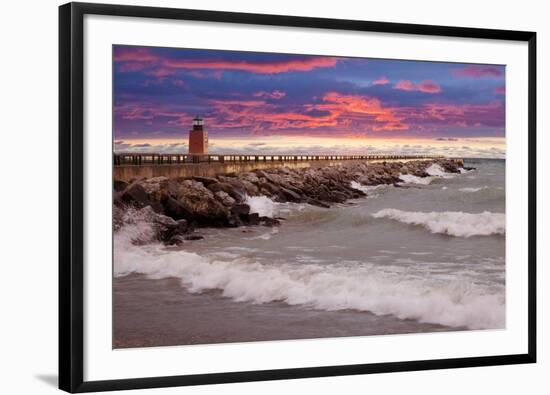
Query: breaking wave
(436, 170)
(262, 205)
(456, 303)
(453, 223)
(470, 190)
(410, 179)
(372, 191)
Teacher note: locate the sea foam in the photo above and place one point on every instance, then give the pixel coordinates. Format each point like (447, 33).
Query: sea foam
(436, 170)
(410, 179)
(470, 190)
(370, 190)
(262, 205)
(329, 286)
(456, 303)
(453, 223)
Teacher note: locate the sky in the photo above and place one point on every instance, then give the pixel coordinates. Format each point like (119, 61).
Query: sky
(263, 103)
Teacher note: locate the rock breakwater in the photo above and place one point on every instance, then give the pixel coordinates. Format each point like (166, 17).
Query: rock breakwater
(177, 207)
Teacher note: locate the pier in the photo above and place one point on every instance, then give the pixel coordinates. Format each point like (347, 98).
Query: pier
(128, 166)
(121, 159)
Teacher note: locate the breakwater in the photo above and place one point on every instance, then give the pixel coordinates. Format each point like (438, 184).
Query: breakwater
(132, 166)
(177, 206)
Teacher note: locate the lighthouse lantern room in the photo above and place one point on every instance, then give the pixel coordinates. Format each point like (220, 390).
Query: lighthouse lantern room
(198, 138)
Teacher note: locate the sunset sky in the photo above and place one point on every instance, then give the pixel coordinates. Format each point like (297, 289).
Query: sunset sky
(277, 103)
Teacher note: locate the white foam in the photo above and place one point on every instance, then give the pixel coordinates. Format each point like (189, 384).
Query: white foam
(410, 179)
(262, 205)
(453, 223)
(455, 303)
(436, 170)
(359, 186)
(369, 189)
(470, 190)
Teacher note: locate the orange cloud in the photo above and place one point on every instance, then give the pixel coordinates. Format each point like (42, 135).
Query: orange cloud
(381, 81)
(136, 59)
(132, 54)
(335, 110)
(404, 85)
(426, 86)
(306, 64)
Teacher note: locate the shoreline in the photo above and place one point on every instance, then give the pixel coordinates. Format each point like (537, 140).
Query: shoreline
(193, 318)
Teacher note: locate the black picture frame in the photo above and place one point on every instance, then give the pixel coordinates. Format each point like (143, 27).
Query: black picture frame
(71, 173)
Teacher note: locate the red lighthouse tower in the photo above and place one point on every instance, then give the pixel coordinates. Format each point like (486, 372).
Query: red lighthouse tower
(198, 138)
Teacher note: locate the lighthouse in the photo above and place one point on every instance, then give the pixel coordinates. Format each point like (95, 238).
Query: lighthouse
(198, 138)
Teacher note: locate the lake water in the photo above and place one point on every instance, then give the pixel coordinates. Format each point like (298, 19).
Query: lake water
(426, 256)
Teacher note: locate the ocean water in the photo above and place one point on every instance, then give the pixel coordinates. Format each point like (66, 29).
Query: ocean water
(428, 255)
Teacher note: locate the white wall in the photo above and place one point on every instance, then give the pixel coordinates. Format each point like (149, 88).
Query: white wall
(28, 281)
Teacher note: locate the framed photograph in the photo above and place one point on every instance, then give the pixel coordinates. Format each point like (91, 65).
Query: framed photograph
(251, 197)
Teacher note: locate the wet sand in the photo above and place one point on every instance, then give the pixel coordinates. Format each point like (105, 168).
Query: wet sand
(150, 313)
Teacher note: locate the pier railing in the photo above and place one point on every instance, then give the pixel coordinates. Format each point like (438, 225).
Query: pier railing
(121, 159)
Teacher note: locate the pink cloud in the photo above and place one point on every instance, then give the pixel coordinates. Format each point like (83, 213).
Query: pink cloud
(427, 86)
(459, 115)
(217, 74)
(381, 81)
(307, 64)
(478, 72)
(134, 55)
(335, 110)
(404, 85)
(135, 59)
(501, 90)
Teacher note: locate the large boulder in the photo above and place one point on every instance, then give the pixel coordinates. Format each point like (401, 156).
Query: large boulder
(224, 198)
(161, 227)
(272, 178)
(149, 192)
(194, 197)
(205, 180)
(236, 192)
(241, 209)
(176, 210)
(250, 177)
(119, 185)
(269, 187)
(287, 195)
(136, 195)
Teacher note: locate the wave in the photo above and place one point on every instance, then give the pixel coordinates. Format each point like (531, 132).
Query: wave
(453, 223)
(458, 303)
(359, 186)
(369, 189)
(267, 207)
(470, 190)
(410, 179)
(436, 170)
(262, 205)
(264, 236)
